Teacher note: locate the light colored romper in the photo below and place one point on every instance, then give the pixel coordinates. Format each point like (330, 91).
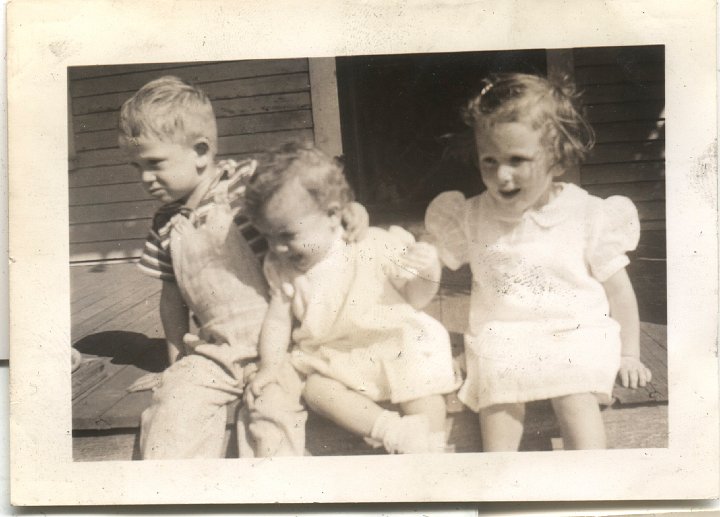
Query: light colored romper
(355, 326)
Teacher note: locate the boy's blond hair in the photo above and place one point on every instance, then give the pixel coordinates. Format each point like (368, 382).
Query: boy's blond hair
(171, 110)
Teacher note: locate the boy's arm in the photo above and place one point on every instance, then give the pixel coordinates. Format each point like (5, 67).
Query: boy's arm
(174, 316)
(274, 341)
(624, 310)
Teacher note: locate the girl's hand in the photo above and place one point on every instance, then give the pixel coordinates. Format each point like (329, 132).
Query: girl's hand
(633, 373)
(355, 220)
(421, 259)
(262, 378)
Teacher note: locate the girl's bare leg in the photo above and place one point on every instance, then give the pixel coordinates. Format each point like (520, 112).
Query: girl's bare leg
(432, 406)
(580, 421)
(345, 407)
(502, 427)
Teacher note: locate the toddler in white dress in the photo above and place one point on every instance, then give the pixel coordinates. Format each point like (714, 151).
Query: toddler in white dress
(553, 314)
(349, 309)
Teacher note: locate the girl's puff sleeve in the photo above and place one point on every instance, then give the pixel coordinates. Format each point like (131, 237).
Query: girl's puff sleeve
(277, 284)
(445, 222)
(615, 231)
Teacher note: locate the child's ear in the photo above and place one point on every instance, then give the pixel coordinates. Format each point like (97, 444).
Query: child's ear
(201, 146)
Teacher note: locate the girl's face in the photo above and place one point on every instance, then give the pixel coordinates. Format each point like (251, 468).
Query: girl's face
(515, 166)
(298, 231)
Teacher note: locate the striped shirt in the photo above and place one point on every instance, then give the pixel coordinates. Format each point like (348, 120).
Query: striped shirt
(156, 259)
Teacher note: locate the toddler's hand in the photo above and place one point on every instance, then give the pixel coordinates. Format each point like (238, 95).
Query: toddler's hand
(633, 373)
(227, 165)
(244, 168)
(262, 378)
(147, 382)
(355, 220)
(420, 259)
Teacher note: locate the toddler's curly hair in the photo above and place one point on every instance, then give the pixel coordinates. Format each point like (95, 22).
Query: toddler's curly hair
(546, 106)
(320, 175)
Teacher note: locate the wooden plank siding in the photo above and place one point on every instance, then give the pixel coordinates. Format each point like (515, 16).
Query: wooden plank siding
(258, 104)
(623, 96)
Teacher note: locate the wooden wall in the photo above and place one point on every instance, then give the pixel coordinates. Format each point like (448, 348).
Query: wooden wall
(623, 93)
(258, 104)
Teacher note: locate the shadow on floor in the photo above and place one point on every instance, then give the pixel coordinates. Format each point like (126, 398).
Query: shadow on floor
(123, 348)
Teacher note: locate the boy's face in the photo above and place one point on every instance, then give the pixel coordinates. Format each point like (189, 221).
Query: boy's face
(169, 171)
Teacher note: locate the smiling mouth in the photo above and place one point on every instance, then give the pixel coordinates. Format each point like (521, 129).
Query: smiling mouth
(509, 194)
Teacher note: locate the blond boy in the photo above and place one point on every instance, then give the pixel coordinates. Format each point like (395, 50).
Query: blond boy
(208, 257)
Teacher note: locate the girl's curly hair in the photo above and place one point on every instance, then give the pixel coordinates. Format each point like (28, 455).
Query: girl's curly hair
(546, 106)
(320, 175)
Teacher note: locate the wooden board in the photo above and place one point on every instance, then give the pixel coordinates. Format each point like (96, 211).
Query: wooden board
(652, 150)
(614, 73)
(85, 72)
(248, 87)
(123, 211)
(629, 131)
(124, 79)
(259, 142)
(649, 278)
(103, 194)
(653, 243)
(617, 112)
(109, 250)
(110, 230)
(638, 191)
(651, 210)
(626, 172)
(107, 175)
(223, 108)
(326, 439)
(622, 92)
(614, 55)
(262, 104)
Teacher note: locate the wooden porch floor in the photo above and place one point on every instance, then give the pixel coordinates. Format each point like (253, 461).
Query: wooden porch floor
(116, 326)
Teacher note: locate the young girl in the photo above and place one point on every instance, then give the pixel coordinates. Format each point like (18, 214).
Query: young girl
(347, 308)
(553, 314)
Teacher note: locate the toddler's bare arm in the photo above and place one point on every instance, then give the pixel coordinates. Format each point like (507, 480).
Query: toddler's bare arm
(420, 289)
(274, 341)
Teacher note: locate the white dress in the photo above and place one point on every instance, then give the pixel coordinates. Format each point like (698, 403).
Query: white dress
(539, 325)
(355, 327)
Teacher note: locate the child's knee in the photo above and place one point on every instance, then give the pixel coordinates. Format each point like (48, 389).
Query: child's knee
(575, 403)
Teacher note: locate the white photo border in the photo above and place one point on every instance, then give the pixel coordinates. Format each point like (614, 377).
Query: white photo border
(45, 37)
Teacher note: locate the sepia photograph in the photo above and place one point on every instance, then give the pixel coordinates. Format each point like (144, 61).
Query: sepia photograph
(296, 257)
(395, 122)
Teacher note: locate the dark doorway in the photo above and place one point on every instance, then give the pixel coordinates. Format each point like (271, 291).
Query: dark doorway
(403, 137)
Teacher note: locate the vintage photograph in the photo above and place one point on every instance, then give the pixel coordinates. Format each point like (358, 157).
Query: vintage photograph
(443, 237)
(369, 252)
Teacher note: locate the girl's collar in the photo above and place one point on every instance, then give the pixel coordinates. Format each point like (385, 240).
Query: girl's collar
(559, 208)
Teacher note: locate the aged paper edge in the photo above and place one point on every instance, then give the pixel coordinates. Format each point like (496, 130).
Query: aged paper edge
(45, 37)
